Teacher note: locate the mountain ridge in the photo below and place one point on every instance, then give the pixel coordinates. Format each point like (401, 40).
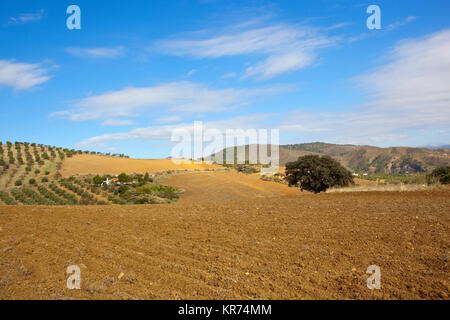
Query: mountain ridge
(366, 158)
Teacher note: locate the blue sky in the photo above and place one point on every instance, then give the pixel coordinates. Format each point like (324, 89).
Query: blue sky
(138, 69)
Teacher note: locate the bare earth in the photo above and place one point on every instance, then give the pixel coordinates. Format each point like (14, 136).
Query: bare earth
(232, 236)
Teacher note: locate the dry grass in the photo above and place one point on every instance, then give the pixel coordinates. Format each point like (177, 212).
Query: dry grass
(94, 164)
(385, 187)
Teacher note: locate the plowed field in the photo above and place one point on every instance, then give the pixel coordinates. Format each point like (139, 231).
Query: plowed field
(232, 236)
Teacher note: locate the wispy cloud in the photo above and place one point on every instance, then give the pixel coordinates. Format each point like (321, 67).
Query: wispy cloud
(176, 97)
(411, 92)
(21, 76)
(389, 28)
(398, 24)
(168, 119)
(278, 64)
(286, 47)
(105, 53)
(27, 17)
(117, 122)
(408, 94)
(229, 75)
(164, 132)
(190, 73)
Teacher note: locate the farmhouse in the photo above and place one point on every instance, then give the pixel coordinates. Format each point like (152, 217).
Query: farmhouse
(111, 181)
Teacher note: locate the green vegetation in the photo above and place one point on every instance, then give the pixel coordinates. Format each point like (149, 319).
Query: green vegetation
(147, 193)
(21, 197)
(399, 178)
(441, 174)
(123, 178)
(317, 174)
(29, 164)
(7, 199)
(62, 193)
(247, 169)
(97, 180)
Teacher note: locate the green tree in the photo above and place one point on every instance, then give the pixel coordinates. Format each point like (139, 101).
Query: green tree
(123, 177)
(97, 180)
(442, 174)
(317, 174)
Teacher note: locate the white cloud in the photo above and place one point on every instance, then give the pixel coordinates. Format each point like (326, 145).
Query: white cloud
(107, 53)
(398, 24)
(229, 75)
(277, 64)
(411, 92)
(417, 80)
(177, 97)
(286, 47)
(21, 76)
(156, 133)
(408, 96)
(27, 17)
(117, 122)
(190, 73)
(389, 28)
(168, 119)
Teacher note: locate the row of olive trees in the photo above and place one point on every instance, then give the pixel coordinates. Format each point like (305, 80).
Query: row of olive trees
(52, 149)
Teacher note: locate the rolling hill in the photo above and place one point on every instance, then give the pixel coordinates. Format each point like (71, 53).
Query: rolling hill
(369, 159)
(36, 174)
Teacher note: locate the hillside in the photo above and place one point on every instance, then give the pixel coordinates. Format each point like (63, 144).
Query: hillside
(36, 174)
(369, 159)
(97, 164)
(372, 159)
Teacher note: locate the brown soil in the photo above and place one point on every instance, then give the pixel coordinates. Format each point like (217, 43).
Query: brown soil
(232, 236)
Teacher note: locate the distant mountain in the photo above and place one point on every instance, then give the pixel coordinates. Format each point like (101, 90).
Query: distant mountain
(368, 158)
(444, 146)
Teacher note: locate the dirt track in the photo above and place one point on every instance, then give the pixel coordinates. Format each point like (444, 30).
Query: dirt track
(232, 236)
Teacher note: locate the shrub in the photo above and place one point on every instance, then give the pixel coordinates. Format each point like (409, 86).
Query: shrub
(123, 189)
(32, 181)
(44, 179)
(441, 174)
(97, 180)
(317, 174)
(4, 196)
(47, 173)
(171, 195)
(123, 177)
(37, 171)
(18, 183)
(247, 169)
